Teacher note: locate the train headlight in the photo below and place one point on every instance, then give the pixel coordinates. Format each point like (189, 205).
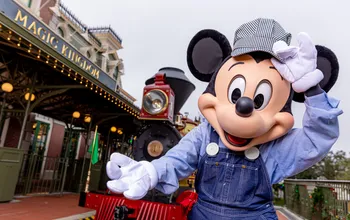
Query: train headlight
(155, 102)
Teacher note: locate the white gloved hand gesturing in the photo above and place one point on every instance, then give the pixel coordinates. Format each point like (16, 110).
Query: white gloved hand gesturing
(133, 179)
(299, 64)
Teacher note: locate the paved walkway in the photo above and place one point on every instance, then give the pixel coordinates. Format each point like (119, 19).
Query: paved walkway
(42, 207)
(281, 216)
(285, 214)
(51, 207)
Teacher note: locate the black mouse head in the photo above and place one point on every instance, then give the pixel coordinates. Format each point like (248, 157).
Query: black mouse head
(247, 101)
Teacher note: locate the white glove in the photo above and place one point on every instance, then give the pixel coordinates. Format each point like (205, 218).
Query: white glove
(299, 63)
(133, 179)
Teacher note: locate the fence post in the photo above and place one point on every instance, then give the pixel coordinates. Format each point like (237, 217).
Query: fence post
(28, 184)
(66, 156)
(284, 195)
(330, 198)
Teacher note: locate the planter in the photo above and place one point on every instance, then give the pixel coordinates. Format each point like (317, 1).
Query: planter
(10, 165)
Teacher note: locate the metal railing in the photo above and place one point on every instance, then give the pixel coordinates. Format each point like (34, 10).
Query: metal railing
(94, 39)
(66, 12)
(42, 174)
(318, 199)
(82, 27)
(106, 30)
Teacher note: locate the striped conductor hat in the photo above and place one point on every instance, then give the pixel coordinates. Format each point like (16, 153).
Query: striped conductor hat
(259, 35)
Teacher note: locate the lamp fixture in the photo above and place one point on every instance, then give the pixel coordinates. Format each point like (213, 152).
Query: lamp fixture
(32, 97)
(113, 129)
(87, 119)
(76, 114)
(7, 87)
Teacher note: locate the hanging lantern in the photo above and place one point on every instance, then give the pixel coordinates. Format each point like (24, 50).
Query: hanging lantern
(87, 119)
(113, 129)
(76, 114)
(7, 87)
(26, 97)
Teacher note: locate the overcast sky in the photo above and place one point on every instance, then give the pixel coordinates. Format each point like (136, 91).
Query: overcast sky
(156, 34)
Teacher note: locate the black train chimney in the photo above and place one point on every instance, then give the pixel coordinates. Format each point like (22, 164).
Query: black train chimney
(179, 83)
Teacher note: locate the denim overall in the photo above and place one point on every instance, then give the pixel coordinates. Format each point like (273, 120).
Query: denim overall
(230, 186)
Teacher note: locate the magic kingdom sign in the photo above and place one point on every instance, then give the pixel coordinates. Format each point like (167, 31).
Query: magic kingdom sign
(23, 18)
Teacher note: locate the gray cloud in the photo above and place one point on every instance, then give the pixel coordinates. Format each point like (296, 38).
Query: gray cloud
(156, 33)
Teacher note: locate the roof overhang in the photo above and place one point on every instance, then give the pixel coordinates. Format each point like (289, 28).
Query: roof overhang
(73, 82)
(65, 56)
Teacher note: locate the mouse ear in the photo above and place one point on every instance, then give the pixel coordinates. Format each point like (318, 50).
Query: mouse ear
(327, 62)
(206, 51)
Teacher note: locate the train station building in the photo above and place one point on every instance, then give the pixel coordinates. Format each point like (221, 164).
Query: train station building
(60, 80)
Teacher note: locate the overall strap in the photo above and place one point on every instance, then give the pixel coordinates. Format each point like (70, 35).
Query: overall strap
(214, 137)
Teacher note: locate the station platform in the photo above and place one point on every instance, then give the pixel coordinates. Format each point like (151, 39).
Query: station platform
(45, 207)
(56, 207)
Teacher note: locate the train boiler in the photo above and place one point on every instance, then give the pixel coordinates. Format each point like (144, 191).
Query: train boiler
(163, 96)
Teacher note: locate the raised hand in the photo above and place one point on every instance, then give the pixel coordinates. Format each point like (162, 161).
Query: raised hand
(133, 179)
(299, 64)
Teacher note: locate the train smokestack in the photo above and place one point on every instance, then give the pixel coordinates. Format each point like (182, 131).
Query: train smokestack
(179, 83)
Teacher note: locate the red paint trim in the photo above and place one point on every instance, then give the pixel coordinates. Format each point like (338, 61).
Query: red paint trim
(105, 204)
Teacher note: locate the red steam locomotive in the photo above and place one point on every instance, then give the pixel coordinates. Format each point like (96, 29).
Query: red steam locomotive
(163, 96)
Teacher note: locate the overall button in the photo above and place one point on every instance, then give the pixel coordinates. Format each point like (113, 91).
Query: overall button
(212, 149)
(252, 153)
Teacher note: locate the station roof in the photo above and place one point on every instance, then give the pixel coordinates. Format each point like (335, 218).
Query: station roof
(63, 80)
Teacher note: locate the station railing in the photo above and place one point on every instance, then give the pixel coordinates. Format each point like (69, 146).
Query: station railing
(82, 27)
(106, 30)
(318, 199)
(44, 175)
(64, 10)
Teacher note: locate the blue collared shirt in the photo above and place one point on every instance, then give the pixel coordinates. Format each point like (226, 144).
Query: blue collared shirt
(293, 153)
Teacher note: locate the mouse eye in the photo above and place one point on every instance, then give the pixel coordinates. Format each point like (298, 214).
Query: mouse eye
(236, 89)
(262, 95)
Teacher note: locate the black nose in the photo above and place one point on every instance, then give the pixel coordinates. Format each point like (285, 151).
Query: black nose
(244, 107)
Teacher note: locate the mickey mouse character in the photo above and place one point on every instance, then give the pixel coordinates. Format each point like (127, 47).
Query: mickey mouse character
(247, 142)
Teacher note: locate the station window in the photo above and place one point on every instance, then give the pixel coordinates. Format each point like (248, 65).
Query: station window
(39, 138)
(115, 73)
(72, 144)
(27, 3)
(111, 56)
(99, 59)
(76, 43)
(60, 32)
